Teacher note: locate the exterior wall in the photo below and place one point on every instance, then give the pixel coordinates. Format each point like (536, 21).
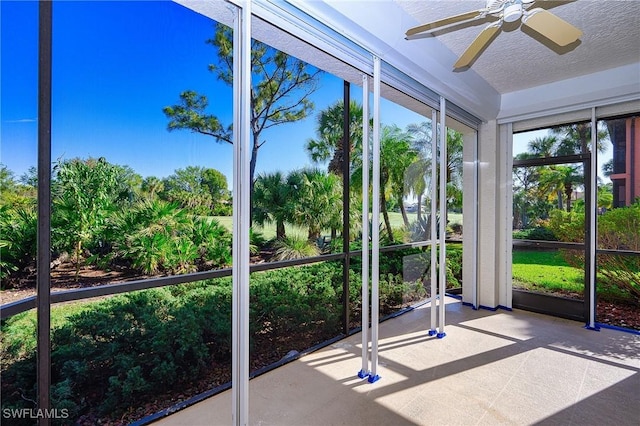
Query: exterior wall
(627, 184)
(469, 206)
(494, 217)
(488, 178)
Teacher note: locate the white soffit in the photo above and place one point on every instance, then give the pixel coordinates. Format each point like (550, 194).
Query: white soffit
(602, 88)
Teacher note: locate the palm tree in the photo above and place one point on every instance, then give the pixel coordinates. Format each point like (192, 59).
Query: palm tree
(562, 180)
(329, 144)
(455, 146)
(396, 156)
(272, 202)
(152, 186)
(318, 200)
(418, 171)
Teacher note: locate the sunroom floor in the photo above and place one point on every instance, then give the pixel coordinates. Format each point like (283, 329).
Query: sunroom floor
(491, 368)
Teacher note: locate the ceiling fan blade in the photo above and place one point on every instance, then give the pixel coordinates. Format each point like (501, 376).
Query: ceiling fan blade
(551, 26)
(479, 44)
(444, 22)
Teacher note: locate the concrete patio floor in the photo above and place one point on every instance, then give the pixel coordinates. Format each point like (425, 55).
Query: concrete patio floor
(492, 368)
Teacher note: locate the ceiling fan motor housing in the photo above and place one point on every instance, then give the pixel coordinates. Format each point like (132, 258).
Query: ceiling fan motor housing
(512, 12)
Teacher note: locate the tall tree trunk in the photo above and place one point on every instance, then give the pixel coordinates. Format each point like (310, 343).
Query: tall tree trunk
(385, 215)
(252, 171)
(405, 219)
(280, 230)
(419, 211)
(78, 250)
(560, 203)
(568, 192)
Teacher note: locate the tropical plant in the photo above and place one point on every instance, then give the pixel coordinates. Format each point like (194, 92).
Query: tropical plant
(256, 241)
(294, 248)
(281, 86)
(152, 186)
(418, 172)
(213, 242)
(18, 238)
(318, 200)
(396, 156)
(561, 180)
(272, 202)
(149, 235)
(85, 194)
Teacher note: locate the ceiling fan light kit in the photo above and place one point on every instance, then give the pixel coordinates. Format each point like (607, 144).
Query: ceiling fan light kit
(539, 20)
(513, 12)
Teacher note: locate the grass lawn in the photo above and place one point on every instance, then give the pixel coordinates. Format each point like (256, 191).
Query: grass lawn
(269, 231)
(545, 271)
(396, 218)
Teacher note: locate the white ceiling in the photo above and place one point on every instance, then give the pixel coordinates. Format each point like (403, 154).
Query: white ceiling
(516, 61)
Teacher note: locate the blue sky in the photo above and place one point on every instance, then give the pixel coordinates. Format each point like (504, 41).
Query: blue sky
(115, 66)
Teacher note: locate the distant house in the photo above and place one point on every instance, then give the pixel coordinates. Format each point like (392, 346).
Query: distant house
(625, 137)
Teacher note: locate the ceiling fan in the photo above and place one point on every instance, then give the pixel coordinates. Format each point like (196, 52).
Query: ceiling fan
(539, 20)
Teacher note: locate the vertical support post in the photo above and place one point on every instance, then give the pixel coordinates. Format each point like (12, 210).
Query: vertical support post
(43, 280)
(443, 217)
(346, 177)
(592, 207)
(241, 209)
(375, 228)
(474, 231)
(507, 133)
(433, 219)
(364, 371)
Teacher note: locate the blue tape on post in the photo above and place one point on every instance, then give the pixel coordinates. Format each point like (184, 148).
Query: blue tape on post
(373, 379)
(588, 327)
(432, 332)
(441, 335)
(362, 374)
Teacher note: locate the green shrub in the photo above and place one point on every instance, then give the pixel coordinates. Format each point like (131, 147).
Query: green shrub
(618, 229)
(18, 238)
(159, 237)
(256, 241)
(294, 248)
(538, 233)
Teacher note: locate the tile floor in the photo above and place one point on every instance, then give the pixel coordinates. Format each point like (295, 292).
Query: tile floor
(492, 368)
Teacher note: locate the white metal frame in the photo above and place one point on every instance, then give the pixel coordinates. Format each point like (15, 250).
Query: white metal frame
(476, 218)
(364, 372)
(241, 209)
(443, 216)
(375, 228)
(593, 217)
(434, 215)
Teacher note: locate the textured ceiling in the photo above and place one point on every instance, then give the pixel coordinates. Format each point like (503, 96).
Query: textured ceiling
(515, 60)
